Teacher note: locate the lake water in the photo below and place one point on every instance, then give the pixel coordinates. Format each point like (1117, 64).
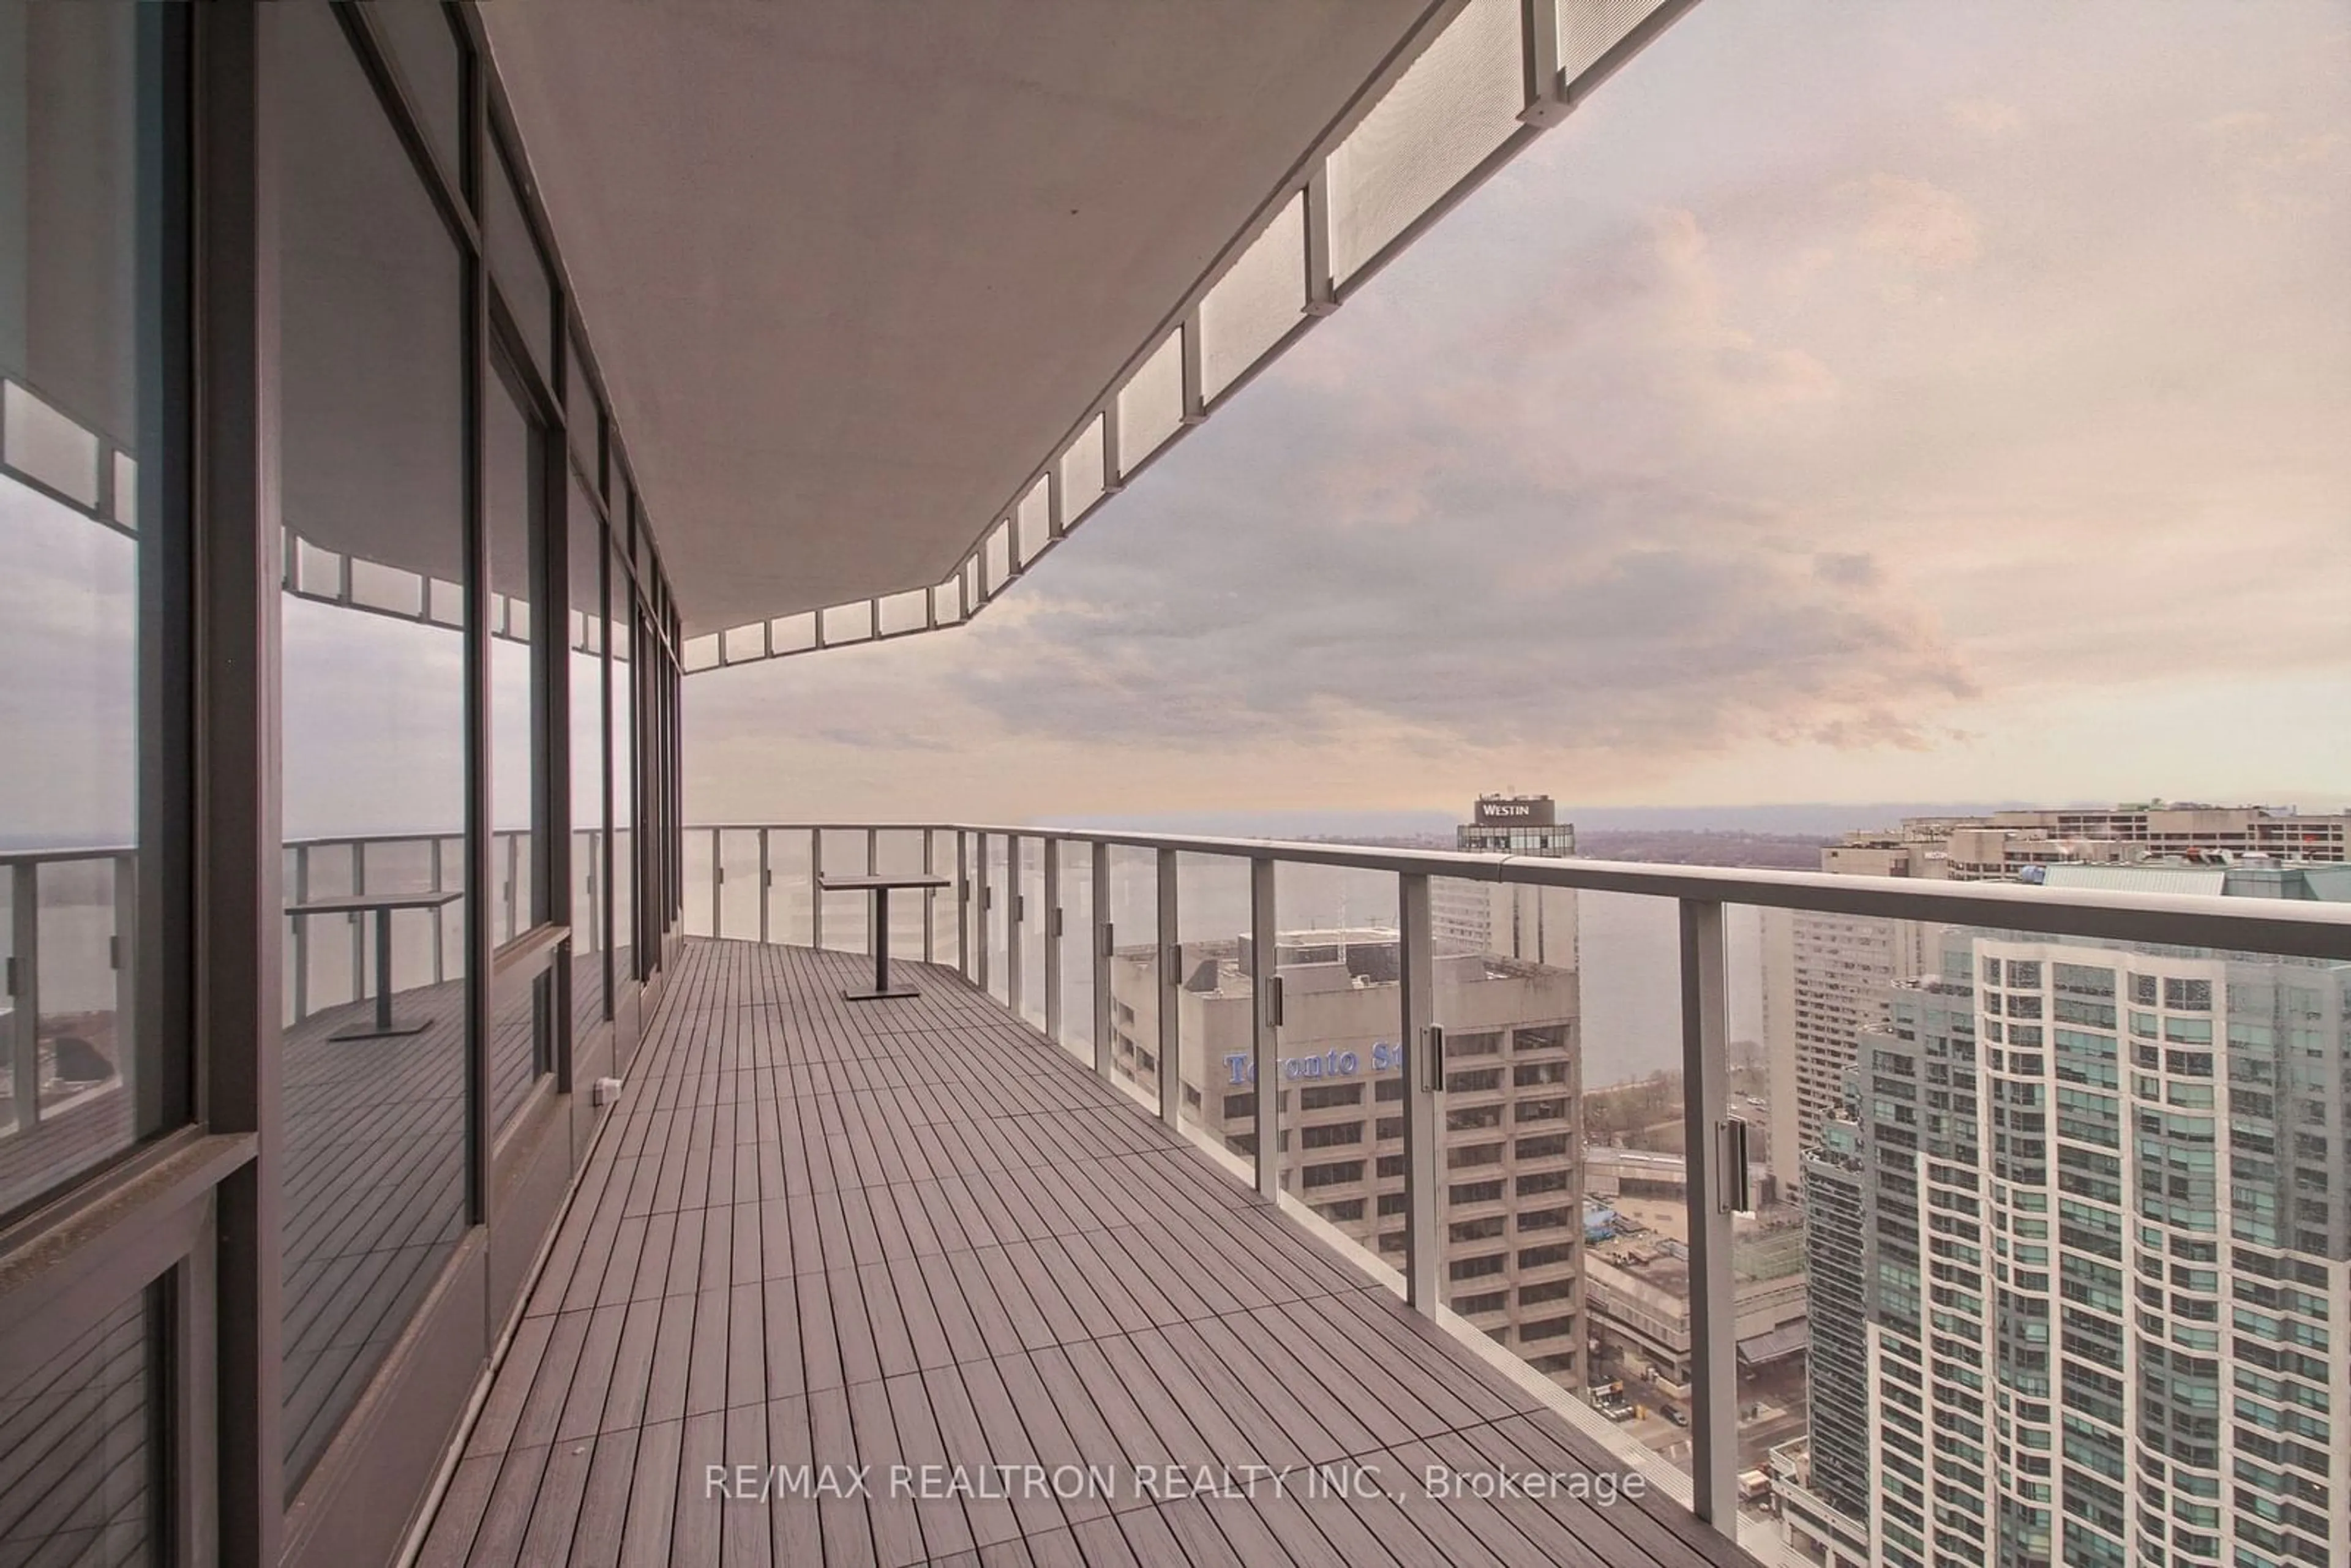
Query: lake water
(1628, 949)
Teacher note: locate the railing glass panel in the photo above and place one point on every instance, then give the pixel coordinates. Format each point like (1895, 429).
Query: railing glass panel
(700, 868)
(1029, 881)
(1638, 1294)
(1340, 1053)
(898, 852)
(423, 943)
(1213, 994)
(788, 898)
(737, 909)
(991, 921)
(1133, 911)
(945, 907)
(1511, 1211)
(1075, 896)
(327, 948)
(847, 918)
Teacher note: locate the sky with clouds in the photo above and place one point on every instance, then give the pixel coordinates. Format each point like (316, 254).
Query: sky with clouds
(1897, 401)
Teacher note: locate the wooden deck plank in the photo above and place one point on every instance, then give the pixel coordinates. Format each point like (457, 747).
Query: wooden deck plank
(917, 1234)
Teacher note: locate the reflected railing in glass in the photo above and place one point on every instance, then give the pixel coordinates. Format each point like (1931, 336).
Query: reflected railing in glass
(66, 1040)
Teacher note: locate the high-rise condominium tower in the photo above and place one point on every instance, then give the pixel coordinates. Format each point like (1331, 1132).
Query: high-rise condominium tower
(2102, 1202)
(1824, 975)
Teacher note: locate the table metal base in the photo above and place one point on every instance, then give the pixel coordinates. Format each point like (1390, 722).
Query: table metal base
(883, 991)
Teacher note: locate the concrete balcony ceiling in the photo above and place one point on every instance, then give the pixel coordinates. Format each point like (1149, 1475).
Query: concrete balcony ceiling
(852, 271)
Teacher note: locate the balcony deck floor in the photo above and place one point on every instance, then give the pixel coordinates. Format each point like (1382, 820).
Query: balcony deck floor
(917, 1233)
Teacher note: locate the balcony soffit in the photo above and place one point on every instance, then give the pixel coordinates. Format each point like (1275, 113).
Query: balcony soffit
(852, 270)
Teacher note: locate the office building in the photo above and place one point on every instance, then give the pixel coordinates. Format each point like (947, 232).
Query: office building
(1513, 1138)
(1534, 923)
(1639, 1292)
(1515, 825)
(1997, 846)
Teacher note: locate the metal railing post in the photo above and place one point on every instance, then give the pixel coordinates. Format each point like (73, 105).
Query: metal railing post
(717, 881)
(963, 903)
(985, 895)
(930, 896)
(1100, 938)
(872, 905)
(1706, 1094)
(125, 957)
(301, 935)
(767, 881)
(816, 887)
(440, 929)
(359, 923)
(1051, 915)
(1013, 913)
(1424, 1080)
(1265, 1022)
(1171, 990)
(24, 988)
(592, 860)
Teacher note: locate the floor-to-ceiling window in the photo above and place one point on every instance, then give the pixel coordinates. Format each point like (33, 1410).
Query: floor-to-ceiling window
(374, 710)
(584, 622)
(94, 1048)
(85, 531)
(515, 447)
(620, 637)
(367, 614)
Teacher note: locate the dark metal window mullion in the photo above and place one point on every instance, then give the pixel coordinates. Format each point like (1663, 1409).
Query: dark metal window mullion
(552, 678)
(235, 917)
(604, 762)
(479, 849)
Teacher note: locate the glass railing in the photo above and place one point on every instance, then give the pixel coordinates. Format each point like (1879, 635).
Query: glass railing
(1847, 1209)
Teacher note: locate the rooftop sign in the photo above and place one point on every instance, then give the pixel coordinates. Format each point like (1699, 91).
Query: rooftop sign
(1520, 812)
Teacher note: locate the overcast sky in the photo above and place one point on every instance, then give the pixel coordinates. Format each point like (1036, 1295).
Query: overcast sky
(1887, 402)
(1852, 402)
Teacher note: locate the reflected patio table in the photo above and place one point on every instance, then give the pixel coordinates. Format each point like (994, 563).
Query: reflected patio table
(381, 904)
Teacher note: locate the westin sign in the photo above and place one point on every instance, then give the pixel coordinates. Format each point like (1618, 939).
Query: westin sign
(1532, 811)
